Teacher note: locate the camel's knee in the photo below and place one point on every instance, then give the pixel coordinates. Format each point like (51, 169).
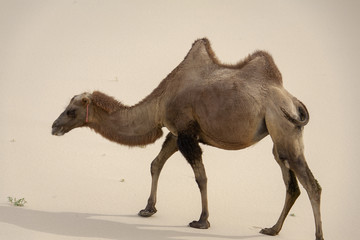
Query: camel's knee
(169, 147)
(201, 182)
(155, 167)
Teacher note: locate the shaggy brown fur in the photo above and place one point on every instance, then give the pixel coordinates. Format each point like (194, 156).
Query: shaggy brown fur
(205, 101)
(105, 102)
(111, 106)
(107, 130)
(130, 141)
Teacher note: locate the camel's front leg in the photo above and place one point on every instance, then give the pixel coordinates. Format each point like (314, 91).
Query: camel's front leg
(189, 147)
(201, 180)
(169, 148)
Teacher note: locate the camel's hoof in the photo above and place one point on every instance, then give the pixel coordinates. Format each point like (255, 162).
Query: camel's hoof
(319, 237)
(147, 213)
(269, 231)
(200, 224)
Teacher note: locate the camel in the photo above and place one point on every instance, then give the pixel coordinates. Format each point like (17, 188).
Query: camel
(205, 101)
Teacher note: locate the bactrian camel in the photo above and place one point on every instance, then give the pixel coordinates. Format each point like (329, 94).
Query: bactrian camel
(205, 101)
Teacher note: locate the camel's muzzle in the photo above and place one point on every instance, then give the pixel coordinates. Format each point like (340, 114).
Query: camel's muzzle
(57, 129)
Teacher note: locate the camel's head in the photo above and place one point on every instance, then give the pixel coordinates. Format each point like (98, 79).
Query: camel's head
(75, 115)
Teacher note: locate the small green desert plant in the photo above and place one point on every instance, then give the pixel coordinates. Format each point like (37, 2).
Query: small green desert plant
(17, 202)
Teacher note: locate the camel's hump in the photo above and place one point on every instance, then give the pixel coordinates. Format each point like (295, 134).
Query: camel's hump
(201, 52)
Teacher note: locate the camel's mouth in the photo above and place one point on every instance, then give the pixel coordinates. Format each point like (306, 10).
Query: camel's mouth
(57, 131)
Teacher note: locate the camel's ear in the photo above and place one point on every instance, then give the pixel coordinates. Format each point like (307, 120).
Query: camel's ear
(85, 100)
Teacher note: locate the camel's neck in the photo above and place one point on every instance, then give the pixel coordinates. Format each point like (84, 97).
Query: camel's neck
(132, 126)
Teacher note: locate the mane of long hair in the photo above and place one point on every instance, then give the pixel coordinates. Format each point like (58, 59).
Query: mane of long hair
(111, 105)
(105, 102)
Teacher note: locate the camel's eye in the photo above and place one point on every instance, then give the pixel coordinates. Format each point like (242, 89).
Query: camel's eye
(71, 113)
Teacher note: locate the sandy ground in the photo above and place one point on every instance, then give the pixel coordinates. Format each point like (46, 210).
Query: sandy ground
(81, 186)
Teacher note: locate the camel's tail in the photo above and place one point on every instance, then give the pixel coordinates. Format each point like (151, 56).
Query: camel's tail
(303, 115)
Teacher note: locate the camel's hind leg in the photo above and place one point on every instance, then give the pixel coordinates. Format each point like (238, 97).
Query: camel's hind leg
(313, 189)
(169, 148)
(292, 193)
(287, 139)
(297, 164)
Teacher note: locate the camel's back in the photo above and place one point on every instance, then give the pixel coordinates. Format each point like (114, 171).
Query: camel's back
(201, 68)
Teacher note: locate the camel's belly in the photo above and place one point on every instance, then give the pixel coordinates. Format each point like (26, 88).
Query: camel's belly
(231, 125)
(235, 139)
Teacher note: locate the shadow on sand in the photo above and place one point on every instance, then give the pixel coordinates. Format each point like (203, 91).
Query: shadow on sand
(86, 225)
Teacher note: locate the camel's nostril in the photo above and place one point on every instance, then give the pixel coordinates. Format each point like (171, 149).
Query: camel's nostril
(54, 124)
